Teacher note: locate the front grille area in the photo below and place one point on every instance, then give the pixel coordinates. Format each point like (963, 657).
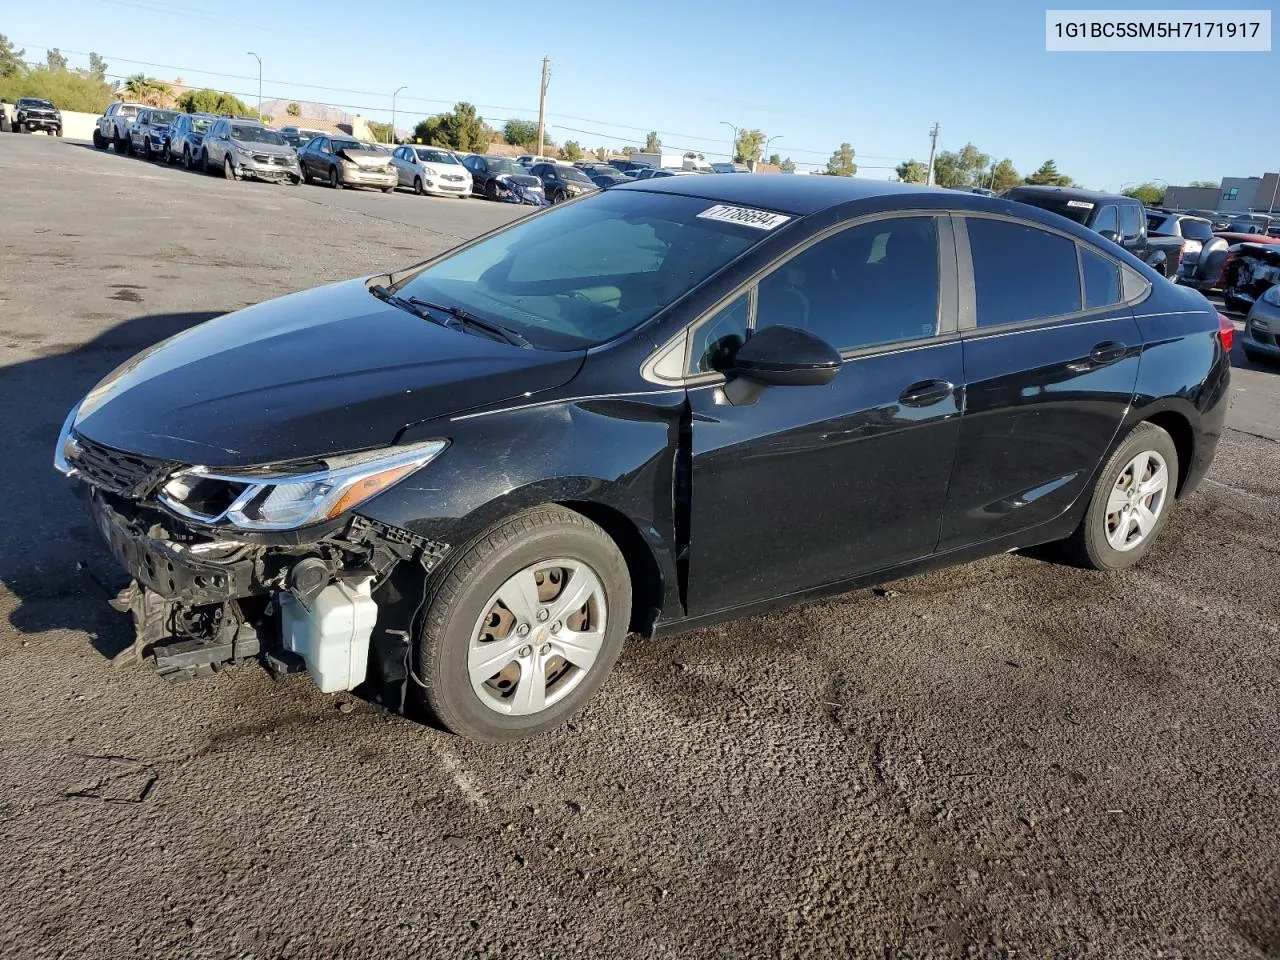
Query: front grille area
(124, 474)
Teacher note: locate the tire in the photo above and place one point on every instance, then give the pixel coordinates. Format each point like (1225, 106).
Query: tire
(16, 127)
(229, 170)
(306, 174)
(295, 180)
(117, 142)
(204, 161)
(1090, 546)
(146, 150)
(58, 132)
(335, 181)
(459, 595)
(99, 140)
(417, 186)
(491, 190)
(387, 189)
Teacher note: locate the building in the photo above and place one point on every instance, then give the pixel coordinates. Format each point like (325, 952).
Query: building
(1235, 195)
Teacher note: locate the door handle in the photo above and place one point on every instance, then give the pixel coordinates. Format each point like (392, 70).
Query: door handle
(925, 393)
(1108, 351)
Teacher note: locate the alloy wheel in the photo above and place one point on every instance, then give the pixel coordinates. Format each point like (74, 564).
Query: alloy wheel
(538, 637)
(1137, 498)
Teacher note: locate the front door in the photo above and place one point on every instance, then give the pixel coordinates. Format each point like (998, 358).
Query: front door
(1051, 364)
(803, 486)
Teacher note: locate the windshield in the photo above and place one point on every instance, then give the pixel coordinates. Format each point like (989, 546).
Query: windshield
(33, 102)
(254, 134)
(588, 272)
(353, 146)
(573, 175)
(1196, 230)
(435, 156)
(502, 165)
(163, 117)
(200, 124)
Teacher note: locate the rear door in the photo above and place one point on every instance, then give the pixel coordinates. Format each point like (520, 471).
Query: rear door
(1051, 360)
(798, 487)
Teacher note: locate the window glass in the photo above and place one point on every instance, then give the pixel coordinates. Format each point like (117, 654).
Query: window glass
(1108, 219)
(716, 340)
(870, 284)
(1021, 272)
(1101, 279)
(1196, 229)
(1130, 221)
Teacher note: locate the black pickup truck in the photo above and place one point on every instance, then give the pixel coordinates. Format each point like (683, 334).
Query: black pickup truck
(1121, 220)
(33, 113)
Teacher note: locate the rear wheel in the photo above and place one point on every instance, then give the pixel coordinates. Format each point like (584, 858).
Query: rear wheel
(523, 626)
(1131, 502)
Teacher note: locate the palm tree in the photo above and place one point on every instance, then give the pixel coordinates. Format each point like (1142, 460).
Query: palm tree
(143, 89)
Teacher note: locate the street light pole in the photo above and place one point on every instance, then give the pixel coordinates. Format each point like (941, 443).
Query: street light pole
(766, 146)
(393, 112)
(259, 59)
(733, 147)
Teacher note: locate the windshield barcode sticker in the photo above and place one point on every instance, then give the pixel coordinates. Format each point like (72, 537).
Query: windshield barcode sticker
(1084, 204)
(760, 219)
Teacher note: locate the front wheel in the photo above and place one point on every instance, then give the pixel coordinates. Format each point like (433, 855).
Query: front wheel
(523, 626)
(335, 182)
(1131, 502)
(417, 186)
(17, 127)
(229, 170)
(387, 189)
(491, 190)
(99, 140)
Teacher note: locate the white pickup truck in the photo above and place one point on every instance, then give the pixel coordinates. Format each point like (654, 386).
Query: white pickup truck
(113, 126)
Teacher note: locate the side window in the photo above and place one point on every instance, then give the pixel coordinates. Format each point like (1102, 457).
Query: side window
(1021, 272)
(716, 340)
(1108, 219)
(1101, 279)
(867, 285)
(1130, 221)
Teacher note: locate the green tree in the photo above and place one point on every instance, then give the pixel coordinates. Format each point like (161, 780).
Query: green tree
(1004, 176)
(1048, 176)
(912, 171)
(1206, 184)
(55, 61)
(964, 168)
(571, 150)
(382, 132)
(11, 63)
(788, 165)
(1146, 193)
(143, 89)
(651, 143)
(520, 133)
(461, 129)
(841, 163)
(212, 101)
(70, 90)
(97, 67)
(747, 146)
(293, 110)
(602, 153)
(628, 150)
(775, 159)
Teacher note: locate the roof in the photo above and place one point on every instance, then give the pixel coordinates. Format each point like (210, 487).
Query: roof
(1066, 193)
(799, 196)
(310, 123)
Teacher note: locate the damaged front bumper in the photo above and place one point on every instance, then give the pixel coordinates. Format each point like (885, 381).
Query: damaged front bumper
(344, 594)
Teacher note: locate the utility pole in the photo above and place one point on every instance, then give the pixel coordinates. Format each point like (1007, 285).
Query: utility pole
(393, 113)
(259, 59)
(933, 150)
(1272, 205)
(733, 147)
(542, 102)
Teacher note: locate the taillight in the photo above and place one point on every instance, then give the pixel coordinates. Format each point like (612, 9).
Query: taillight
(1226, 332)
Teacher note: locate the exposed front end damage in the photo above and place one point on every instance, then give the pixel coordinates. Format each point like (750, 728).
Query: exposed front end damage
(1251, 270)
(202, 596)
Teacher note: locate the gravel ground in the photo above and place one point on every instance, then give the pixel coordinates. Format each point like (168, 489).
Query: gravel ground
(1006, 759)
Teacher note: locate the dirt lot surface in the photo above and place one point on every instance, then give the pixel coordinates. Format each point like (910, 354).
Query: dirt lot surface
(1005, 759)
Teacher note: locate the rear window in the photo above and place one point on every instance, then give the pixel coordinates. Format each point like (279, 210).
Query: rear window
(1162, 226)
(1196, 230)
(1021, 272)
(1077, 210)
(588, 272)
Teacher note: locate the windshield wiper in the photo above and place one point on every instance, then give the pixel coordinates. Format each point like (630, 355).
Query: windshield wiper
(461, 318)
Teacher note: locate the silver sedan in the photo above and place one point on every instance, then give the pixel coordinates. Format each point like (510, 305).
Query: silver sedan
(1261, 339)
(431, 170)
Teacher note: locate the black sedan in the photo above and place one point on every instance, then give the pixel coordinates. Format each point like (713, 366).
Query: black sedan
(561, 182)
(665, 405)
(498, 178)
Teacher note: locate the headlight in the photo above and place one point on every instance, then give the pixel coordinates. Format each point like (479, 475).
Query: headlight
(277, 499)
(1272, 296)
(430, 171)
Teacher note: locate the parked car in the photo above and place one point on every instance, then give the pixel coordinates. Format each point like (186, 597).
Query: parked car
(497, 178)
(1122, 220)
(529, 159)
(1261, 340)
(149, 133)
(606, 180)
(431, 170)
(346, 162)
(1253, 223)
(185, 136)
(561, 182)
(473, 477)
(628, 166)
(1250, 270)
(35, 113)
(299, 137)
(247, 148)
(112, 128)
(730, 168)
(1216, 255)
(1194, 233)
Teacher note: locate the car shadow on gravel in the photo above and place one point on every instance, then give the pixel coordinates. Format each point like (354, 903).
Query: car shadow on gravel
(53, 561)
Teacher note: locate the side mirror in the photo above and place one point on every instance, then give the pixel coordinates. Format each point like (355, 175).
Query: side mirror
(1109, 235)
(786, 356)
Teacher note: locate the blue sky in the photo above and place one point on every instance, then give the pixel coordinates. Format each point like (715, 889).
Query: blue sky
(815, 73)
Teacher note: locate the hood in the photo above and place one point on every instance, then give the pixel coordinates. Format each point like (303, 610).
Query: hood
(267, 149)
(320, 372)
(362, 158)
